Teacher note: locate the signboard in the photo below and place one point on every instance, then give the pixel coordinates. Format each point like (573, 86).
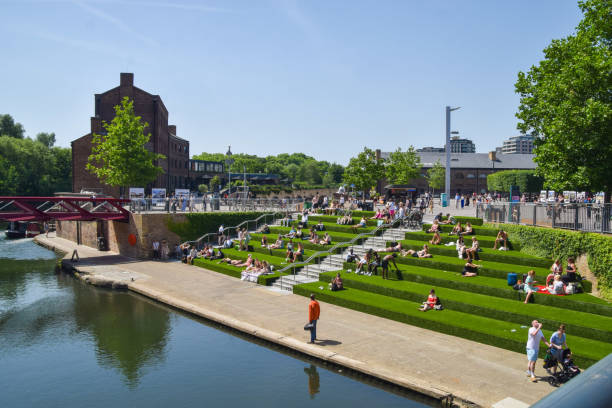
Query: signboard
(599, 198)
(551, 196)
(158, 195)
(181, 192)
(542, 196)
(136, 193)
(581, 196)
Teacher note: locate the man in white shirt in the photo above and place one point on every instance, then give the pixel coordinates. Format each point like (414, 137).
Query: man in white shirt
(534, 337)
(156, 249)
(220, 236)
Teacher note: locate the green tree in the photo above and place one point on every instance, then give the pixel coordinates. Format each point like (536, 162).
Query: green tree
(214, 183)
(291, 171)
(48, 139)
(8, 127)
(365, 170)
(566, 100)
(203, 188)
(436, 176)
(402, 167)
(526, 180)
(120, 157)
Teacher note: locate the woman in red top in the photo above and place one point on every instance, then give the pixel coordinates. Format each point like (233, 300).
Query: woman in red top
(431, 301)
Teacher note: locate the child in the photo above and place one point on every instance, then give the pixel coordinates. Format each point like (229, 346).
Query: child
(431, 301)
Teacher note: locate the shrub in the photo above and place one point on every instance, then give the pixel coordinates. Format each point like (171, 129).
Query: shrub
(198, 224)
(526, 180)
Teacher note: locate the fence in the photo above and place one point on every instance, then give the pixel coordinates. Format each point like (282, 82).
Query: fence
(200, 204)
(578, 217)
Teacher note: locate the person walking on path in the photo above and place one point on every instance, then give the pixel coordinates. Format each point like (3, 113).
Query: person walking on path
(534, 337)
(314, 311)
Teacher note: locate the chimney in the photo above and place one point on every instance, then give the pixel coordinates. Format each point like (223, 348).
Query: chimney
(127, 79)
(96, 125)
(492, 156)
(172, 129)
(377, 153)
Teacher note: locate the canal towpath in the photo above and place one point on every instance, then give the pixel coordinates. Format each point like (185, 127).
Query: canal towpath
(428, 362)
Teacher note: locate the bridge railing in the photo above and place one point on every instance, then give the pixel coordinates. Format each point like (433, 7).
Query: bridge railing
(200, 204)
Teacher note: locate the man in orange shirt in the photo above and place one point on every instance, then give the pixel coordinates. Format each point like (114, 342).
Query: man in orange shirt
(313, 315)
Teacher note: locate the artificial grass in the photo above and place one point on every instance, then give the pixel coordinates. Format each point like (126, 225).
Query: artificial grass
(333, 227)
(485, 241)
(465, 325)
(480, 231)
(333, 219)
(233, 271)
(335, 235)
(496, 287)
(307, 244)
(586, 325)
(463, 220)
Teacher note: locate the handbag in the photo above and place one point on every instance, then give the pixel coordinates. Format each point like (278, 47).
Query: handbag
(308, 326)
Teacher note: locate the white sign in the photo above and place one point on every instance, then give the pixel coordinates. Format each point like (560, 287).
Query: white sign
(599, 198)
(543, 196)
(181, 192)
(158, 195)
(136, 193)
(551, 196)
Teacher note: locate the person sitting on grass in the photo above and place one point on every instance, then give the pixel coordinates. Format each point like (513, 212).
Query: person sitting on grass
(457, 229)
(314, 238)
(432, 299)
(556, 267)
(362, 264)
(435, 227)
(449, 220)
(326, 240)
(472, 252)
(570, 272)
(470, 269)
(279, 244)
(362, 224)
(395, 247)
(320, 226)
(529, 287)
(468, 229)
(264, 229)
(291, 233)
(336, 283)
(345, 220)
(299, 234)
(299, 253)
(378, 215)
(436, 239)
(385, 264)
(193, 253)
(460, 246)
(264, 241)
(374, 264)
(502, 237)
(423, 253)
(351, 257)
(256, 265)
(557, 287)
(438, 217)
(289, 255)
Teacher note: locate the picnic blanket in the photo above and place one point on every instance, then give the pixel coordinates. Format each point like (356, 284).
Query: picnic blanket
(544, 290)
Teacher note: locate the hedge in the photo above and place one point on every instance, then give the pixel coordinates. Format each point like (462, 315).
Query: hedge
(465, 325)
(480, 231)
(335, 235)
(347, 229)
(333, 219)
(463, 220)
(495, 287)
(233, 271)
(198, 224)
(485, 241)
(557, 243)
(526, 180)
(578, 323)
(307, 244)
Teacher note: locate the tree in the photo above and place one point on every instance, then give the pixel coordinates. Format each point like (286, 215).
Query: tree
(48, 139)
(8, 127)
(120, 157)
(214, 183)
(436, 176)
(365, 170)
(402, 167)
(566, 101)
(526, 180)
(203, 188)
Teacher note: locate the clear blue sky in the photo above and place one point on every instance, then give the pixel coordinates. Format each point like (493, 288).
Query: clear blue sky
(322, 77)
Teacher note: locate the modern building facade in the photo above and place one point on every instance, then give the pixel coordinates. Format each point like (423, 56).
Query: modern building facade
(522, 144)
(457, 144)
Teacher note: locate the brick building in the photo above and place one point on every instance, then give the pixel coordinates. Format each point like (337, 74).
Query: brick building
(163, 139)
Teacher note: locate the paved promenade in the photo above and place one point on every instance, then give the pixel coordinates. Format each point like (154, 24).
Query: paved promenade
(429, 362)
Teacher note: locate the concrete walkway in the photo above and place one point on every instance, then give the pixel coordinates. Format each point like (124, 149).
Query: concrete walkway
(429, 362)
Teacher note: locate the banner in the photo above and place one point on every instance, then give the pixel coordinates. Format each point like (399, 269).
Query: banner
(136, 193)
(551, 196)
(158, 195)
(181, 192)
(543, 196)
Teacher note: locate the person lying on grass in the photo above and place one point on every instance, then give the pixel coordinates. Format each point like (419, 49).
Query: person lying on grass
(423, 253)
(435, 227)
(457, 229)
(278, 244)
(326, 240)
(472, 252)
(436, 239)
(470, 269)
(468, 229)
(385, 264)
(362, 223)
(238, 262)
(529, 287)
(432, 299)
(449, 220)
(395, 247)
(336, 283)
(502, 238)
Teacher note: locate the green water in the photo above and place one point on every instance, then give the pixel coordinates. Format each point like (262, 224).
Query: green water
(67, 344)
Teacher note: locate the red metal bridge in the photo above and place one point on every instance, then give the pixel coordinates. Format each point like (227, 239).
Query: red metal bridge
(63, 209)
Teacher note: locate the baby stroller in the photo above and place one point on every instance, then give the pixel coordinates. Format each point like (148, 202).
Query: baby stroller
(566, 370)
(414, 219)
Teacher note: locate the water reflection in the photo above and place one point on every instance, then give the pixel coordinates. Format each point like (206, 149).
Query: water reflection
(130, 334)
(313, 380)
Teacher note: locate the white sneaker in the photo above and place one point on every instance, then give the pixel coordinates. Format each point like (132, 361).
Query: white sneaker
(528, 373)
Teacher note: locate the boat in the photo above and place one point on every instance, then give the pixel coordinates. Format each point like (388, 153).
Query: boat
(21, 229)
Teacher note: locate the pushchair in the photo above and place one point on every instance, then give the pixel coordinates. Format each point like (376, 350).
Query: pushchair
(414, 219)
(566, 370)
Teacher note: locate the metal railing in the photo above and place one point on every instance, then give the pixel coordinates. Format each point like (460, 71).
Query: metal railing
(334, 248)
(577, 216)
(200, 204)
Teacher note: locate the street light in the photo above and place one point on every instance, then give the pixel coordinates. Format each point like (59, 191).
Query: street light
(448, 151)
(228, 162)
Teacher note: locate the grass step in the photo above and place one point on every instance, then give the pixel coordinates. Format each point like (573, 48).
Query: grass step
(495, 287)
(333, 227)
(463, 220)
(337, 236)
(307, 245)
(480, 231)
(586, 325)
(466, 325)
(485, 241)
(332, 219)
(233, 271)
(487, 254)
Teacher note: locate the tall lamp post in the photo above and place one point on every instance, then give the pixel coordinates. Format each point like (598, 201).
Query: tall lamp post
(448, 152)
(228, 162)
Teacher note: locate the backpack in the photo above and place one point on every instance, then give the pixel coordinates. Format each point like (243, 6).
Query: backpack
(438, 305)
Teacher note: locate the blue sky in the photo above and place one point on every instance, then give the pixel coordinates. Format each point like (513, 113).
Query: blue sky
(270, 76)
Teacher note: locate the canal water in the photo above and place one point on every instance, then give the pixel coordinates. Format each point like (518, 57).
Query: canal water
(67, 344)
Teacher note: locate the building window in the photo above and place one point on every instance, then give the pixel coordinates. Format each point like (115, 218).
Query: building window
(470, 176)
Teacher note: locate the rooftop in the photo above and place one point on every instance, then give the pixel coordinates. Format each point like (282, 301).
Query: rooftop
(476, 160)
